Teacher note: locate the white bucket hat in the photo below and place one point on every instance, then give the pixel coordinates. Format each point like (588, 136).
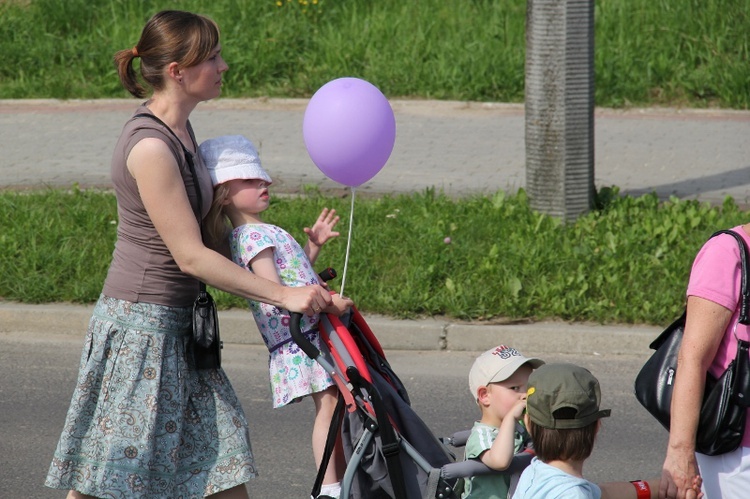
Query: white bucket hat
(231, 157)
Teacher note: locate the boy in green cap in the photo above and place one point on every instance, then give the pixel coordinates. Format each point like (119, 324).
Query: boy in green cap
(564, 417)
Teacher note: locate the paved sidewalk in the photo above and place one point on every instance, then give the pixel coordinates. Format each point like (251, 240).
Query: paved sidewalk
(461, 148)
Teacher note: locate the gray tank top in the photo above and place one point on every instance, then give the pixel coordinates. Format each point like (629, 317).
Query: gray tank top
(142, 268)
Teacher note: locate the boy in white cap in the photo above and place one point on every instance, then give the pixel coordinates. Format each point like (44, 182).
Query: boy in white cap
(240, 196)
(497, 381)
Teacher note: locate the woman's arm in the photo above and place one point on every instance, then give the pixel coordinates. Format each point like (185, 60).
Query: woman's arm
(162, 190)
(263, 266)
(704, 329)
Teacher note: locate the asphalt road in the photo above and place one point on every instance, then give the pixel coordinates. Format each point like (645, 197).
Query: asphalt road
(38, 374)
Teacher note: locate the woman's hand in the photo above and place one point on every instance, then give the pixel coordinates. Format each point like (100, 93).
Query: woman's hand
(680, 475)
(306, 299)
(695, 491)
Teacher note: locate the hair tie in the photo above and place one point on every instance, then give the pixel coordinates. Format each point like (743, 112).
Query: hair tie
(135, 52)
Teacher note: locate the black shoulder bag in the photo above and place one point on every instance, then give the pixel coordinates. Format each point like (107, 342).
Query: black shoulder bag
(205, 345)
(725, 400)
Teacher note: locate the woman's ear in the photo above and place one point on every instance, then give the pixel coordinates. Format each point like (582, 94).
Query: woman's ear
(174, 72)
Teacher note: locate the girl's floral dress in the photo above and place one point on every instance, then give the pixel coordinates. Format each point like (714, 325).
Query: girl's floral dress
(293, 374)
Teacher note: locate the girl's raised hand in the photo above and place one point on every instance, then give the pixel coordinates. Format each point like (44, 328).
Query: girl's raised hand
(322, 230)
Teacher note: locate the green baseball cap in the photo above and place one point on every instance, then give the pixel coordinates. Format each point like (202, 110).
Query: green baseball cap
(556, 386)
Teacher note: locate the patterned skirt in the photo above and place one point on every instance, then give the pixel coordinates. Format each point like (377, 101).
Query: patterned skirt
(141, 422)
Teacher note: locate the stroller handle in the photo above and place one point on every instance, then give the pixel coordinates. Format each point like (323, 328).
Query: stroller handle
(299, 338)
(295, 318)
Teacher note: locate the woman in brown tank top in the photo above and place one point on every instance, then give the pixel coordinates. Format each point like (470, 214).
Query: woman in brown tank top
(142, 422)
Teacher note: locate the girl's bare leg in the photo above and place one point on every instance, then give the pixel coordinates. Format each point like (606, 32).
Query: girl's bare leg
(325, 404)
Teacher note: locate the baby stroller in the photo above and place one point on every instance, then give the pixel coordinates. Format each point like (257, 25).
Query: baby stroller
(389, 451)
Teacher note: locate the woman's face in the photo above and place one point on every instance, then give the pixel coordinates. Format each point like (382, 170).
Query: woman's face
(204, 80)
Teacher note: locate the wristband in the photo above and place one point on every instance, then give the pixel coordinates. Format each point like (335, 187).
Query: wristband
(642, 490)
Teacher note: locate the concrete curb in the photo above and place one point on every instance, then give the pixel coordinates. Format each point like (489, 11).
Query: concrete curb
(237, 326)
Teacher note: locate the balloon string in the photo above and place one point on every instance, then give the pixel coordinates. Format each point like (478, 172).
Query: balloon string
(348, 241)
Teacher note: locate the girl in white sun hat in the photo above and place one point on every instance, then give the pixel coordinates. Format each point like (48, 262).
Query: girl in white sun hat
(240, 196)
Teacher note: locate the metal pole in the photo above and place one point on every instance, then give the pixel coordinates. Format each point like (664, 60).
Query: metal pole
(560, 106)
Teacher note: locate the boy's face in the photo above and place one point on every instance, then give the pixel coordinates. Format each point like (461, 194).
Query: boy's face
(498, 399)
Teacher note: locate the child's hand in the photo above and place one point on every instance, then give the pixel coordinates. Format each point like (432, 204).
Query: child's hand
(339, 305)
(322, 230)
(695, 490)
(516, 412)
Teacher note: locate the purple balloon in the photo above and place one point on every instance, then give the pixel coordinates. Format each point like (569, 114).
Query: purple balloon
(349, 130)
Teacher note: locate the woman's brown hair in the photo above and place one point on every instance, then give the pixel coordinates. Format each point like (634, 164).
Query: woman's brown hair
(169, 36)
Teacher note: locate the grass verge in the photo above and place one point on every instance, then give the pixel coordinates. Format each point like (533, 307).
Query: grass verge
(648, 52)
(477, 258)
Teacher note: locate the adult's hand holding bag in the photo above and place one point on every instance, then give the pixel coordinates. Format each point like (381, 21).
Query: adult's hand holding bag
(723, 411)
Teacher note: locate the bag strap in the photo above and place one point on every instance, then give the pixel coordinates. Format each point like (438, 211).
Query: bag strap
(191, 166)
(744, 301)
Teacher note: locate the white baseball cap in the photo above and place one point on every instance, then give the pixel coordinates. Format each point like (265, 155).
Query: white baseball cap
(231, 157)
(497, 364)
